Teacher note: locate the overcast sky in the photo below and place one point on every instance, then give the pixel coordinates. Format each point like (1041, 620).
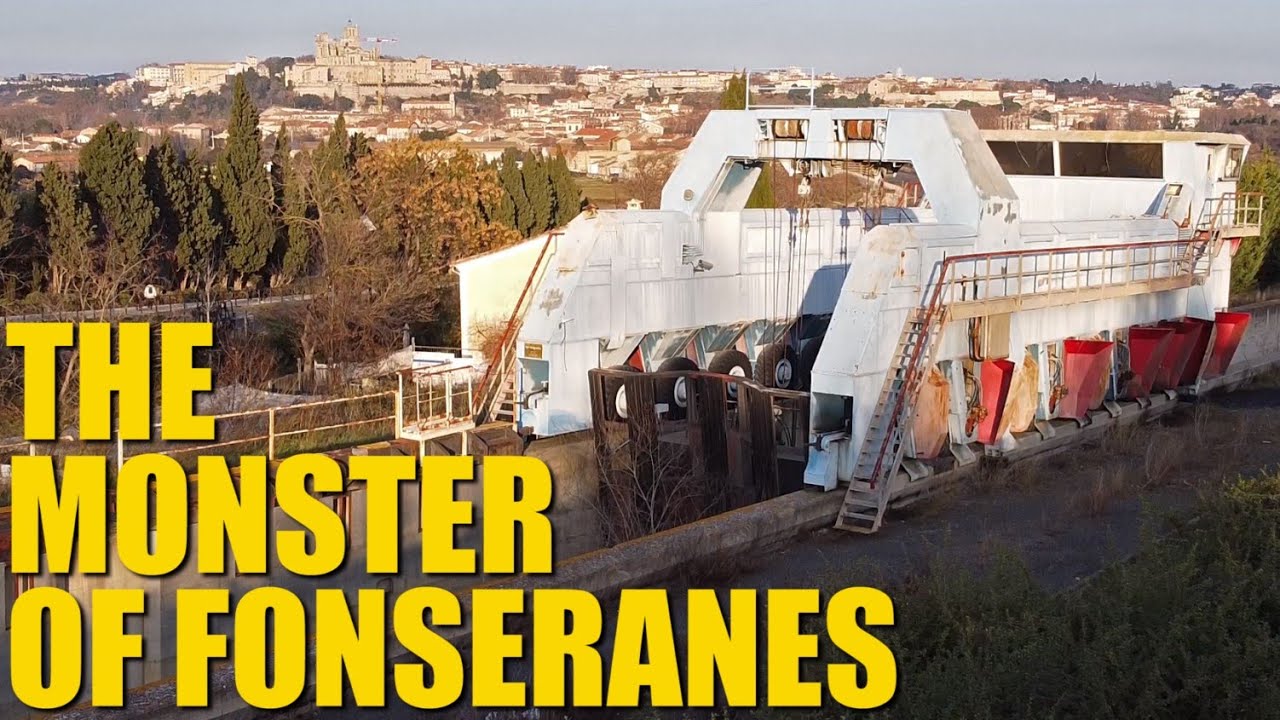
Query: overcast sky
(1186, 41)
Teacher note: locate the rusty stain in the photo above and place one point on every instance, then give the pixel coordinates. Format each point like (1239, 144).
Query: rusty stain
(553, 299)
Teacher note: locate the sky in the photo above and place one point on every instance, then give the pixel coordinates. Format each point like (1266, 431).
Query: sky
(1185, 41)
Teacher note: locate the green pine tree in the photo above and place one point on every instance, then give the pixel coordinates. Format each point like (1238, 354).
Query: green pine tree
(117, 192)
(280, 159)
(537, 186)
(503, 209)
(334, 162)
(359, 147)
(293, 242)
(167, 186)
(512, 179)
(568, 195)
(335, 153)
(297, 249)
(1260, 174)
(68, 227)
(245, 188)
(762, 194)
(199, 251)
(8, 201)
(734, 97)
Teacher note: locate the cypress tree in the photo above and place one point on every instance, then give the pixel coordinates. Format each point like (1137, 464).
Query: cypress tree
(762, 194)
(280, 157)
(167, 186)
(333, 162)
(734, 97)
(1250, 265)
(501, 209)
(117, 191)
(359, 147)
(537, 185)
(293, 241)
(8, 201)
(335, 156)
(68, 225)
(568, 195)
(199, 250)
(245, 187)
(297, 247)
(512, 180)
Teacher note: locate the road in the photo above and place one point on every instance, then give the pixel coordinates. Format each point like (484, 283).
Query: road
(151, 310)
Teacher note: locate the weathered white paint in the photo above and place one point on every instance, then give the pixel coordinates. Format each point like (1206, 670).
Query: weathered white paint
(617, 277)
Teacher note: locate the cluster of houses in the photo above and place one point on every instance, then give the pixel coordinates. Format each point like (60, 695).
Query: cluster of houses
(600, 118)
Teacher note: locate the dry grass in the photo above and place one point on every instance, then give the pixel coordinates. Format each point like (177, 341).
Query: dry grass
(1110, 485)
(998, 474)
(1198, 446)
(1195, 446)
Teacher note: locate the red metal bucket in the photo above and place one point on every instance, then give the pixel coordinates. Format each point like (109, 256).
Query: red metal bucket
(1230, 328)
(997, 375)
(1147, 348)
(1200, 343)
(1086, 362)
(1175, 360)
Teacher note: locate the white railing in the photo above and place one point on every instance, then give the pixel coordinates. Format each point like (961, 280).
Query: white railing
(992, 283)
(1233, 211)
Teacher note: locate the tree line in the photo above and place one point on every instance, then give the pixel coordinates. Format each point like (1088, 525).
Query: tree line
(255, 215)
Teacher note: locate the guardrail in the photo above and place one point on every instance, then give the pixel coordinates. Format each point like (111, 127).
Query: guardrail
(440, 399)
(1233, 211)
(144, 309)
(1002, 282)
(274, 432)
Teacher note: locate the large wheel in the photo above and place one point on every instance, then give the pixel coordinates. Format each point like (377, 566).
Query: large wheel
(732, 363)
(675, 391)
(778, 367)
(808, 357)
(615, 394)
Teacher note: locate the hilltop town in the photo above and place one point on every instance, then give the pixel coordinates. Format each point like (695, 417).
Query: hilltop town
(604, 120)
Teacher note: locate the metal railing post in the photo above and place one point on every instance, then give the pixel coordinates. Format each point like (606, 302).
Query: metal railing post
(448, 396)
(271, 435)
(399, 413)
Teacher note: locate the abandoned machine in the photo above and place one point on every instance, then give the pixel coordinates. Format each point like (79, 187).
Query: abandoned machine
(930, 288)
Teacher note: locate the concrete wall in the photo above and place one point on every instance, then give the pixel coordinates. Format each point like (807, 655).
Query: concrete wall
(489, 286)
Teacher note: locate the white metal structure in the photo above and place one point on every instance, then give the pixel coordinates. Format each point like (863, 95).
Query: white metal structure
(1044, 236)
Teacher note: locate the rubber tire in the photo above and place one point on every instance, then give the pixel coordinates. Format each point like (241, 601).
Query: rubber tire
(725, 362)
(808, 357)
(667, 388)
(613, 386)
(767, 366)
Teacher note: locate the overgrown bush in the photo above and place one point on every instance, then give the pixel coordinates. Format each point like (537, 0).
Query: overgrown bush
(1261, 174)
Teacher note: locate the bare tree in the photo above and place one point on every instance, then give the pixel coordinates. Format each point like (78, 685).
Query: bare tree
(648, 175)
(647, 486)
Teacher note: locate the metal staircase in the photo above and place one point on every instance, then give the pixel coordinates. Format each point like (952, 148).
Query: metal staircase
(504, 405)
(1228, 217)
(867, 498)
(495, 398)
(991, 283)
